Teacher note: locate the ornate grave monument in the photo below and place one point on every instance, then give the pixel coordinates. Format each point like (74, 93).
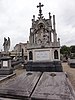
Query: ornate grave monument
(6, 59)
(43, 47)
(42, 56)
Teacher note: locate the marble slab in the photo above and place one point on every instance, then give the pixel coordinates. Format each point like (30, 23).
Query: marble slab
(21, 86)
(53, 86)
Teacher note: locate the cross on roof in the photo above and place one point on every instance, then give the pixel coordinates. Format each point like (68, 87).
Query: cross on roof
(40, 11)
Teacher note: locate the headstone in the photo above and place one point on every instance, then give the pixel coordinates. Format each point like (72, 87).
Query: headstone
(6, 68)
(6, 59)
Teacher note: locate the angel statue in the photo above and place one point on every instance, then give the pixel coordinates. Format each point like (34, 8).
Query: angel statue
(6, 44)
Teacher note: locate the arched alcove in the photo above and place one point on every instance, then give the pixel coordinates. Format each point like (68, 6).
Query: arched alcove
(30, 55)
(55, 54)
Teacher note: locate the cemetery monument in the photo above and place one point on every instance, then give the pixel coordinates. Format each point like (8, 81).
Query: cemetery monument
(6, 59)
(43, 48)
(43, 55)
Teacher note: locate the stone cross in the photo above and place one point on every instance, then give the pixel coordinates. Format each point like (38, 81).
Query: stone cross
(40, 11)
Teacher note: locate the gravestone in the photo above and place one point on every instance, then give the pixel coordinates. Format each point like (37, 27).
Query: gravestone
(6, 68)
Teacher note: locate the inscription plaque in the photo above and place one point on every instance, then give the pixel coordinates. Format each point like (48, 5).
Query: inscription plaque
(42, 55)
(5, 63)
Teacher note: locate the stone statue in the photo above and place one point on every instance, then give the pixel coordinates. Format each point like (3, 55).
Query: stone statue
(6, 44)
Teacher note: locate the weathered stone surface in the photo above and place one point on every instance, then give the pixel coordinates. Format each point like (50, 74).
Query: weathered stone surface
(71, 62)
(34, 86)
(54, 66)
(7, 99)
(6, 71)
(53, 86)
(21, 86)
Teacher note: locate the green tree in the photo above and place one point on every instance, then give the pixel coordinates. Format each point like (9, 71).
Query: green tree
(72, 49)
(65, 51)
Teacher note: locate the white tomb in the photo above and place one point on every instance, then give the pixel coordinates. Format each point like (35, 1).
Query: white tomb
(43, 45)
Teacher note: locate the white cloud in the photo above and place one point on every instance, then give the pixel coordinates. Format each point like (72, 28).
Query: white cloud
(16, 15)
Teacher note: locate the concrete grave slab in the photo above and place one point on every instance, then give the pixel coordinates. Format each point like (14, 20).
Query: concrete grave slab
(21, 86)
(53, 86)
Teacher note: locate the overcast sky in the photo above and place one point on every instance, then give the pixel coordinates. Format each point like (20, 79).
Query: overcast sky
(16, 15)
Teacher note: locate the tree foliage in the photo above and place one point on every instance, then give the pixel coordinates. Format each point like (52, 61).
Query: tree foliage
(68, 51)
(72, 49)
(65, 50)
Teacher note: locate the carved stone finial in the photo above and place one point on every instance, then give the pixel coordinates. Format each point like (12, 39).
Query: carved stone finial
(58, 39)
(40, 11)
(49, 15)
(54, 22)
(34, 17)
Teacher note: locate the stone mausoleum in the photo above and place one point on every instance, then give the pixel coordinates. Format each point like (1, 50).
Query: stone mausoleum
(43, 48)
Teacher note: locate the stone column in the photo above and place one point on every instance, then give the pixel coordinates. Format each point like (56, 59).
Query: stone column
(54, 23)
(55, 37)
(50, 22)
(50, 36)
(54, 30)
(34, 38)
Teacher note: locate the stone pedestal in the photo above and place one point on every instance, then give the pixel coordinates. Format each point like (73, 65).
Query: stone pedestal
(54, 66)
(6, 66)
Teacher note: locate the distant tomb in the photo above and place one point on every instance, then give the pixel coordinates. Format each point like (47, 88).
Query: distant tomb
(71, 62)
(43, 48)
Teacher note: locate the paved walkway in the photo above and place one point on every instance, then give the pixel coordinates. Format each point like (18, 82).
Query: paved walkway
(70, 73)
